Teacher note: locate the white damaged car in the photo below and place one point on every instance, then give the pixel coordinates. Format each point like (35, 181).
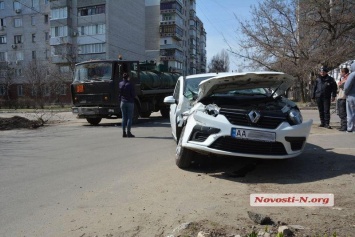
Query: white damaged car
(236, 114)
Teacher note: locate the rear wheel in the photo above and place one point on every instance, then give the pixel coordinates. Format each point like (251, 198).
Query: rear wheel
(183, 156)
(93, 121)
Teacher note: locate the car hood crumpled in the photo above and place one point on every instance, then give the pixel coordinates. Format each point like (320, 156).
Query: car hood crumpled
(273, 80)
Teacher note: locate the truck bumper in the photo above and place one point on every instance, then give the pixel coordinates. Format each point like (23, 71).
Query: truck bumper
(96, 112)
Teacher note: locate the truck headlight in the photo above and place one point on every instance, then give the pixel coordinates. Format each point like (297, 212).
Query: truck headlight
(212, 109)
(295, 116)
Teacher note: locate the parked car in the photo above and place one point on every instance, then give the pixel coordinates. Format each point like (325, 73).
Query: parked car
(236, 114)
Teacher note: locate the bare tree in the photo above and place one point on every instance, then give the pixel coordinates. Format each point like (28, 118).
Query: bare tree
(297, 36)
(219, 62)
(36, 73)
(7, 78)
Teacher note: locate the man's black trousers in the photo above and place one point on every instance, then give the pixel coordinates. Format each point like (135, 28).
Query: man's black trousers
(324, 110)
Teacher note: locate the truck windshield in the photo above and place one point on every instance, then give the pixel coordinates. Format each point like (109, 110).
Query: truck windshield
(93, 72)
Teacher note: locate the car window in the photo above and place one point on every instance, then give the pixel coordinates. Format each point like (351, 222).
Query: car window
(244, 92)
(191, 88)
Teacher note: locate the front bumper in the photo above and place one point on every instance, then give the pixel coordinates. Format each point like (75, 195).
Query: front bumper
(216, 135)
(95, 112)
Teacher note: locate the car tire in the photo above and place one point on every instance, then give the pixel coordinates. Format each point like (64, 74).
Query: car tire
(183, 156)
(93, 121)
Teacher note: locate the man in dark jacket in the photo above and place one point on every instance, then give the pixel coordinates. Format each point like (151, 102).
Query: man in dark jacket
(324, 91)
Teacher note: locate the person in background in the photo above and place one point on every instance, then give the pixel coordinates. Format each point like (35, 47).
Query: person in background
(341, 99)
(127, 95)
(349, 90)
(324, 92)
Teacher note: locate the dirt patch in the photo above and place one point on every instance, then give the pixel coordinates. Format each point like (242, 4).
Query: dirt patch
(17, 122)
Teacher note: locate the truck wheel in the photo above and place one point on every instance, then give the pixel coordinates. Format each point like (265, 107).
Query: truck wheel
(93, 121)
(135, 114)
(164, 111)
(183, 156)
(146, 114)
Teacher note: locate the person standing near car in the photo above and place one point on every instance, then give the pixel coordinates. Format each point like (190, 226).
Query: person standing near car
(324, 92)
(349, 90)
(341, 99)
(127, 95)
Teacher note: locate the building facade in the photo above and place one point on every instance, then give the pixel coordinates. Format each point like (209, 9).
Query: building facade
(61, 33)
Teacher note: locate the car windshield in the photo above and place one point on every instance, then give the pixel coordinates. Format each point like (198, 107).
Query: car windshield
(191, 88)
(245, 92)
(93, 72)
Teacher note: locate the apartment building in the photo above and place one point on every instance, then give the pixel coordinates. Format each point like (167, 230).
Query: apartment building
(64, 32)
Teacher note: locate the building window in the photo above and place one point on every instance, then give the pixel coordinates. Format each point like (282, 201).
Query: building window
(59, 13)
(33, 54)
(2, 21)
(18, 72)
(46, 35)
(46, 1)
(2, 90)
(47, 91)
(19, 56)
(17, 5)
(33, 22)
(18, 22)
(46, 19)
(91, 10)
(63, 69)
(91, 48)
(63, 89)
(92, 29)
(2, 5)
(2, 39)
(18, 39)
(35, 4)
(33, 38)
(20, 90)
(3, 56)
(59, 31)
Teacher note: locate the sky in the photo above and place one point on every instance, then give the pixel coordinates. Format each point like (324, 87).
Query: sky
(218, 17)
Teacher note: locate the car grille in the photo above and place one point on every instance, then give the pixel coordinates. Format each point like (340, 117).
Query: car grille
(240, 117)
(248, 146)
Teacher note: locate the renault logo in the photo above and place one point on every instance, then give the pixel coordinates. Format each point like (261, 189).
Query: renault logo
(254, 116)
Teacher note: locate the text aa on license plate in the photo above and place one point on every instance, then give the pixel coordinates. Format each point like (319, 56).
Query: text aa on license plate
(253, 135)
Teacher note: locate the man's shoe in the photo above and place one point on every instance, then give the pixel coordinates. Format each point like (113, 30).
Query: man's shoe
(321, 125)
(130, 134)
(124, 134)
(327, 126)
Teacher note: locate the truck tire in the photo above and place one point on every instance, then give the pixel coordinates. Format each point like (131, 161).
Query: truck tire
(164, 111)
(146, 114)
(135, 114)
(183, 156)
(93, 121)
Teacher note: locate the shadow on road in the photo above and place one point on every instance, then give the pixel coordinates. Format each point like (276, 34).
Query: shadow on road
(314, 164)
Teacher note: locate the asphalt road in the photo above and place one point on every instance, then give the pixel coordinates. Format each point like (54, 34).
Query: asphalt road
(49, 177)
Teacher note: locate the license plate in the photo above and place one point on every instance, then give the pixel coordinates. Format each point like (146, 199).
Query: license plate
(253, 135)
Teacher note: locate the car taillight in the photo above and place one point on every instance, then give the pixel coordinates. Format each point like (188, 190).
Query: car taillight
(80, 88)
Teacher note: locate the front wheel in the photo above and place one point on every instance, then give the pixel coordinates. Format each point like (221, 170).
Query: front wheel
(183, 156)
(93, 121)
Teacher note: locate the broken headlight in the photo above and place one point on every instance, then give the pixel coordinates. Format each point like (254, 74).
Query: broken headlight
(212, 109)
(295, 117)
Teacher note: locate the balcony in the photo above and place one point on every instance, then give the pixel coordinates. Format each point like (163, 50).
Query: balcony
(171, 31)
(60, 40)
(171, 46)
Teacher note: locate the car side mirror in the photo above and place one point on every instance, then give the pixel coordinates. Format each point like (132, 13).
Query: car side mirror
(169, 100)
